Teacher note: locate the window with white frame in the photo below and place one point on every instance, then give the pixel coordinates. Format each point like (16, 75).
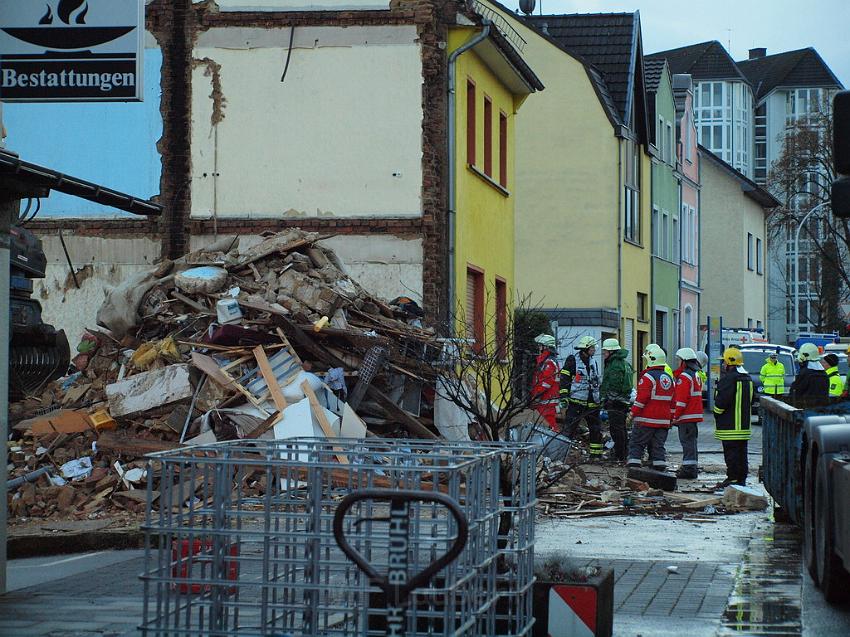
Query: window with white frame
(664, 252)
(669, 140)
(687, 151)
(713, 113)
(743, 113)
(631, 227)
(686, 256)
(675, 232)
(801, 104)
(694, 235)
(656, 232)
(750, 252)
(760, 159)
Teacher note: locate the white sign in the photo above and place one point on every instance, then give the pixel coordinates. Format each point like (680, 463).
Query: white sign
(71, 50)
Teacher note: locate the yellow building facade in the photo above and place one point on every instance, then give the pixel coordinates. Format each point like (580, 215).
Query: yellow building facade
(488, 95)
(583, 193)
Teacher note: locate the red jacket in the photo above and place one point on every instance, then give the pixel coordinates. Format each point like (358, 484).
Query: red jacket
(545, 385)
(688, 396)
(653, 406)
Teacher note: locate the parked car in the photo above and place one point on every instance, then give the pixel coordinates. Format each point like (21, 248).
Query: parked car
(756, 355)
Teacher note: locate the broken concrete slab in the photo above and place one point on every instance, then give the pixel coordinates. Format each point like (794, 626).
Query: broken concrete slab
(149, 390)
(657, 479)
(741, 498)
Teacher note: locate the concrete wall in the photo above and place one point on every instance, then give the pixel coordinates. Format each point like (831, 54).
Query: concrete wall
(729, 289)
(98, 263)
(567, 186)
(341, 136)
(113, 144)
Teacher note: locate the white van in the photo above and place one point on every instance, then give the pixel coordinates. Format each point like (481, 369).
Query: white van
(733, 336)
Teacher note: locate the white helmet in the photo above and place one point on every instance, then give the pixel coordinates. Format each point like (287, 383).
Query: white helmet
(611, 345)
(702, 359)
(654, 355)
(585, 342)
(686, 354)
(546, 340)
(808, 352)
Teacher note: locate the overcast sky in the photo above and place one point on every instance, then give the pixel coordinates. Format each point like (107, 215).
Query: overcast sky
(778, 25)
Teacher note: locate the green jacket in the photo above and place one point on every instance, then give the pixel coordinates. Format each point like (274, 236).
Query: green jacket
(617, 378)
(772, 377)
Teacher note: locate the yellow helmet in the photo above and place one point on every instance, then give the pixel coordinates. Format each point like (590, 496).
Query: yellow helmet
(733, 356)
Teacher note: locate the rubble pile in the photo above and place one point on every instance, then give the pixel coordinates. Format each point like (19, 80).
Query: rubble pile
(272, 341)
(583, 491)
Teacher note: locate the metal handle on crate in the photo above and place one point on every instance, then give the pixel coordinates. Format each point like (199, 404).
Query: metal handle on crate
(400, 589)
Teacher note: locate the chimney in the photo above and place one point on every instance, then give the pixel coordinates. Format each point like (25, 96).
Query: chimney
(758, 53)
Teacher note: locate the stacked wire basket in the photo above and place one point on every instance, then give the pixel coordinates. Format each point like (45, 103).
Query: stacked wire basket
(239, 538)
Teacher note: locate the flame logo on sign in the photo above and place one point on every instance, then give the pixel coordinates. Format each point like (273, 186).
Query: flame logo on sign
(65, 9)
(63, 28)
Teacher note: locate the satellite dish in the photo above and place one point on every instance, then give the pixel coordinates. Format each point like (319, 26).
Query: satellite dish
(527, 6)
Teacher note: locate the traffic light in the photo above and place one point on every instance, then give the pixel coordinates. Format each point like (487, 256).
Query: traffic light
(841, 154)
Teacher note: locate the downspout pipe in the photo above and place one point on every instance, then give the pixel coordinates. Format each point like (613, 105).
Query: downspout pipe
(452, 190)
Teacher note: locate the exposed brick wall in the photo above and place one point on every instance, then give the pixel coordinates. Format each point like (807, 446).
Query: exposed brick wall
(106, 228)
(403, 228)
(172, 24)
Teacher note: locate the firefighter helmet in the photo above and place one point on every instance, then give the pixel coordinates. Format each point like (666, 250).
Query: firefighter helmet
(586, 342)
(702, 359)
(808, 352)
(686, 354)
(654, 355)
(546, 340)
(611, 345)
(733, 356)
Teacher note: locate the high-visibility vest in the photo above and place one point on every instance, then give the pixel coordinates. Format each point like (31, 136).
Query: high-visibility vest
(584, 385)
(772, 377)
(836, 385)
(653, 406)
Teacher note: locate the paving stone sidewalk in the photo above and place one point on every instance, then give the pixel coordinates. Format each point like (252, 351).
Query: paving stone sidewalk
(107, 602)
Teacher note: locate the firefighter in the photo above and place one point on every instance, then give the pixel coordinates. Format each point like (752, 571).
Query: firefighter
(652, 410)
(811, 380)
(615, 392)
(836, 384)
(733, 398)
(687, 411)
(772, 375)
(544, 385)
(580, 393)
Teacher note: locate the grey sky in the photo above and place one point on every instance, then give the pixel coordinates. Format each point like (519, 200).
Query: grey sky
(779, 25)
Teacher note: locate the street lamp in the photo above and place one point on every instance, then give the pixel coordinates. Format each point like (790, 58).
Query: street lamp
(797, 266)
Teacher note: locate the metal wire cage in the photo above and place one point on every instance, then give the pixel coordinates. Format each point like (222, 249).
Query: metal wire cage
(239, 538)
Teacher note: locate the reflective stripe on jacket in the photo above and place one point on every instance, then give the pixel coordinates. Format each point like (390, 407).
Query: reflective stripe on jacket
(688, 396)
(836, 385)
(732, 403)
(772, 377)
(653, 406)
(580, 382)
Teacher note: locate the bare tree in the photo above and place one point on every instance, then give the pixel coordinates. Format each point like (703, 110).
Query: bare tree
(800, 177)
(487, 375)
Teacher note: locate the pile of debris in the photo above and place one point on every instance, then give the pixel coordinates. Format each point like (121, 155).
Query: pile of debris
(275, 341)
(570, 490)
